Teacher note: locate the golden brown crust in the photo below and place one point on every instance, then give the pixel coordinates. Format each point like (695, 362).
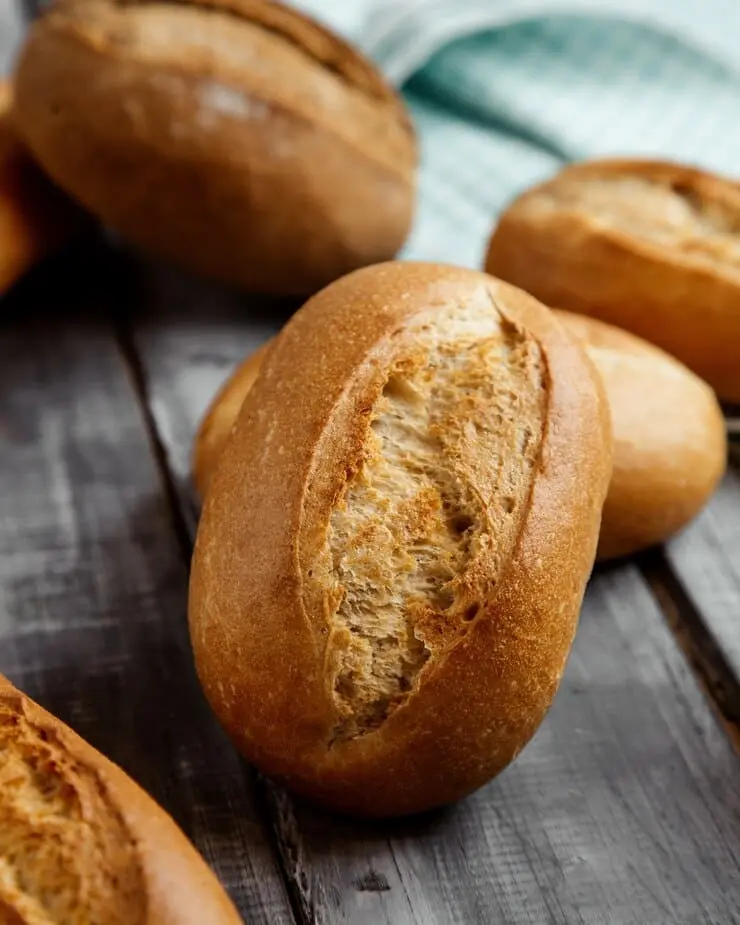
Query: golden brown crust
(237, 137)
(326, 48)
(670, 442)
(259, 630)
(102, 850)
(216, 425)
(658, 255)
(35, 217)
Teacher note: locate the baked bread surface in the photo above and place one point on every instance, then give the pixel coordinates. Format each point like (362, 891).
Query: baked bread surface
(395, 543)
(670, 439)
(648, 246)
(81, 843)
(235, 136)
(216, 425)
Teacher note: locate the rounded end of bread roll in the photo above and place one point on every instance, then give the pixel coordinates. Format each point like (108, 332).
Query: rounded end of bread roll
(81, 842)
(396, 540)
(216, 425)
(243, 141)
(670, 440)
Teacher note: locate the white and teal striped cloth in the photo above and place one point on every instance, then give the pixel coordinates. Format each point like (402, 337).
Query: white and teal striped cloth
(504, 91)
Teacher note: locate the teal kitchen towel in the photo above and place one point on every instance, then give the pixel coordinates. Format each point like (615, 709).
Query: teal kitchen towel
(503, 92)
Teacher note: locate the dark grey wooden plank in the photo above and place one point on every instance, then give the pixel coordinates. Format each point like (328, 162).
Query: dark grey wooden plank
(625, 807)
(203, 340)
(706, 559)
(705, 564)
(93, 581)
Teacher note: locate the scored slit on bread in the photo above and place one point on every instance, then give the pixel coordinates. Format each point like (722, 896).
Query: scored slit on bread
(395, 540)
(663, 210)
(649, 246)
(81, 843)
(280, 156)
(411, 522)
(66, 855)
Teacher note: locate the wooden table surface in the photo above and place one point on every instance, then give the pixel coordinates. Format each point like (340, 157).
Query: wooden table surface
(625, 808)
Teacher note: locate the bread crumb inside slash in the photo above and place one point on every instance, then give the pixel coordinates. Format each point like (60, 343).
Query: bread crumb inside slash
(448, 464)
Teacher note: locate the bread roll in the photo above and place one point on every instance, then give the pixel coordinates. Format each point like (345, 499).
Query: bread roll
(35, 217)
(395, 542)
(670, 440)
(220, 417)
(80, 842)
(237, 137)
(670, 443)
(650, 247)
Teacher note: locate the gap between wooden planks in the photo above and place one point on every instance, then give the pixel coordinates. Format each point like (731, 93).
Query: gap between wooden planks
(92, 582)
(607, 816)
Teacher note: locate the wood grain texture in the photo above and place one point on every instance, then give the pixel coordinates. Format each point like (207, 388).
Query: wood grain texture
(706, 560)
(204, 330)
(92, 580)
(624, 809)
(614, 813)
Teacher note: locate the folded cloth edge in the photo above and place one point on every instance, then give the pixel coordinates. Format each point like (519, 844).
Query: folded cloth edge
(402, 43)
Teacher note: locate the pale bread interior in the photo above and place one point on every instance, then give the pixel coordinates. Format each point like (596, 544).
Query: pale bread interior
(66, 856)
(462, 412)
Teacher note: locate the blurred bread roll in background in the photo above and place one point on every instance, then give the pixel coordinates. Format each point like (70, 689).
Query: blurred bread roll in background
(240, 139)
(651, 247)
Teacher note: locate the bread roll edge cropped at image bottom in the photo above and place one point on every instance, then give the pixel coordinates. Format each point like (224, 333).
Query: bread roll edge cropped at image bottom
(358, 631)
(80, 841)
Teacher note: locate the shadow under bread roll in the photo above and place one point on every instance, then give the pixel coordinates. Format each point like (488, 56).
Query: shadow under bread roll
(396, 540)
(236, 137)
(81, 842)
(651, 247)
(35, 217)
(670, 439)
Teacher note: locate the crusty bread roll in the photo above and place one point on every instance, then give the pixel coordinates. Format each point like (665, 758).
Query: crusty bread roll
(80, 842)
(237, 137)
(670, 440)
(35, 217)
(650, 247)
(670, 443)
(396, 540)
